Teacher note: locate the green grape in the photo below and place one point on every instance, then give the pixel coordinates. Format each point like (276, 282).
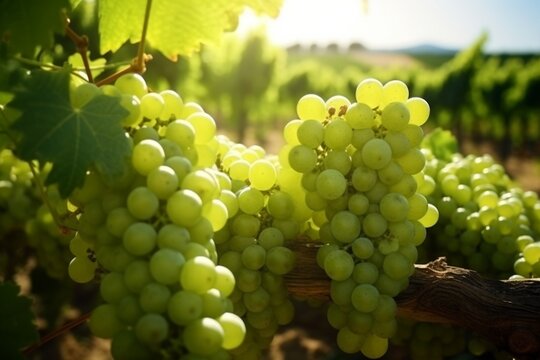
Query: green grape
(234, 330)
(198, 274)
(374, 225)
(341, 291)
(203, 336)
(280, 260)
(345, 226)
(394, 207)
(369, 92)
(184, 307)
(132, 84)
(360, 322)
(391, 173)
(254, 257)
(152, 105)
(190, 108)
(81, 269)
(203, 183)
(133, 105)
(414, 133)
(365, 298)
(112, 287)
(280, 205)
(204, 125)
(397, 266)
(362, 248)
(165, 266)
(361, 136)
(339, 160)
(139, 238)
(374, 346)
(181, 132)
(184, 208)
(331, 184)
(399, 143)
(376, 154)
(217, 213)
(363, 178)
(418, 109)
(239, 170)
(531, 253)
(172, 106)
(262, 175)
(83, 93)
(142, 203)
(147, 155)
(338, 265)
(250, 200)
(431, 216)
(103, 321)
(365, 273)
(394, 91)
(154, 298)
(128, 310)
(224, 281)
(349, 341)
(337, 134)
(310, 133)
(311, 107)
(162, 181)
(412, 162)
(395, 116)
(152, 329)
(302, 159)
(360, 116)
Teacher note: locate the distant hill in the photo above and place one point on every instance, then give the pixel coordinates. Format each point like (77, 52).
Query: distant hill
(423, 49)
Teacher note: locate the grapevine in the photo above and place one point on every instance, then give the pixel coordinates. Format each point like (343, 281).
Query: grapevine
(196, 246)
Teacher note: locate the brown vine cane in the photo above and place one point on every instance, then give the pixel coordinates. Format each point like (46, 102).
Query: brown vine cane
(505, 312)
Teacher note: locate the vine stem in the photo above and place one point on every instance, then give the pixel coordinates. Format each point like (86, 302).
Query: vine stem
(139, 63)
(44, 196)
(81, 42)
(55, 333)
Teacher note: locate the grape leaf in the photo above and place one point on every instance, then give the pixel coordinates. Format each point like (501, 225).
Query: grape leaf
(71, 139)
(176, 27)
(30, 23)
(17, 328)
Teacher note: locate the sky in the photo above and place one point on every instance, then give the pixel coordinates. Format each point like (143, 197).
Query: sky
(512, 25)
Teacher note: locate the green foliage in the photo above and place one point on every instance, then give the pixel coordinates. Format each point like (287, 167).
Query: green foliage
(442, 144)
(16, 328)
(27, 23)
(177, 27)
(72, 139)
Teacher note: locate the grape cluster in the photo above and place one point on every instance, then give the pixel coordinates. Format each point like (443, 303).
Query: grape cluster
(252, 244)
(188, 244)
(359, 165)
(148, 234)
(487, 223)
(27, 225)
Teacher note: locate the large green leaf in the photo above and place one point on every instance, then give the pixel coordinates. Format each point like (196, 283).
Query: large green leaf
(71, 139)
(30, 23)
(17, 328)
(177, 27)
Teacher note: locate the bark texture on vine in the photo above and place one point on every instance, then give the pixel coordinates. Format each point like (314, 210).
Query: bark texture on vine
(505, 312)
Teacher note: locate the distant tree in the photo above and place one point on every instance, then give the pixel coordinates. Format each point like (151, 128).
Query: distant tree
(295, 48)
(332, 47)
(356, 46)
(314, 48)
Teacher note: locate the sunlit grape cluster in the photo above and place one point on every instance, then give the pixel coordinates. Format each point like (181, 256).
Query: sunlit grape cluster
(360, 165)
(188, 244)
(487, 223)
